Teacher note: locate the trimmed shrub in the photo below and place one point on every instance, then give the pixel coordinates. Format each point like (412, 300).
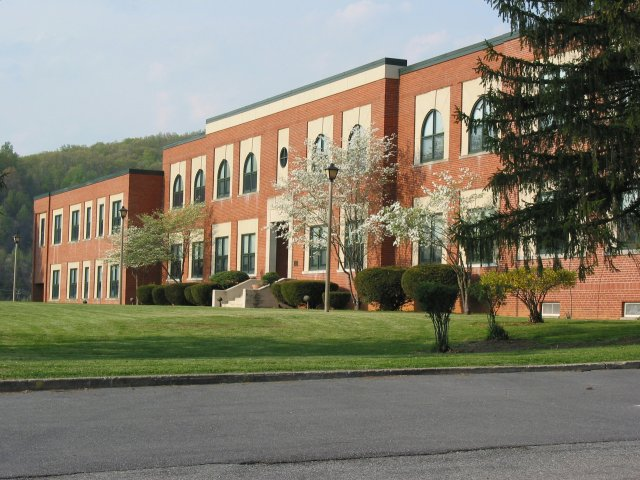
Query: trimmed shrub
(438, 301)
(188, 295)
(293, 292)
(338, 300)
(201, 293)
(159, 298)
(175, 293)
(269, 278)
(144, 294)
(276, 289)
(228, 279)
(381, 285)
(433, 272)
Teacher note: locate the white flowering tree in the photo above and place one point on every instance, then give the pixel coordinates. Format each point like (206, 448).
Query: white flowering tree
(366, 168)
(433, 225)
(151, 242)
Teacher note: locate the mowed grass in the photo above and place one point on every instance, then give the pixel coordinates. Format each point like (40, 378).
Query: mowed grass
(48, 340)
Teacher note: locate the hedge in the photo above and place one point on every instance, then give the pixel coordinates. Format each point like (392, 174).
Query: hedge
(175, 293)
(436, 298)
(159, 298)
(338, 300)
(144, 293)
(201, 293)
(381, 285)
(269, 278)
(293, 292)
(434, 273)
(188, 296)
(276, 289)
(228, 279)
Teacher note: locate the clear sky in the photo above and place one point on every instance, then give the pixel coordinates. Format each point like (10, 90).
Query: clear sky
(77, 72)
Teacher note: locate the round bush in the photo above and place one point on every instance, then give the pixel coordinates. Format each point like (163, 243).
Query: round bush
(188, 296)
(338, 300)
(434, 273)
(201, 293)
(159, 298)
(435, 298)
(269, 278)
(229, 279)
(381, 285)
(175, 293)
(276, 289)
(144, 294)
(293, 292)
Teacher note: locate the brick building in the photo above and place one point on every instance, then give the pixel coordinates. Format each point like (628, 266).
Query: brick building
(73, 228)
(234, 165)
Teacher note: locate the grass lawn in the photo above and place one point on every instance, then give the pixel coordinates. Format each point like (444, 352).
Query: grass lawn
(47, 340)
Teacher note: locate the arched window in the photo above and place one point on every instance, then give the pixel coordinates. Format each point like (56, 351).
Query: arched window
(178, 192)
(198, 187)
(284, 157)
(353, 135)
(250, 174)
(478, 131)
(224, 181)
(432, 145)
(318, 152)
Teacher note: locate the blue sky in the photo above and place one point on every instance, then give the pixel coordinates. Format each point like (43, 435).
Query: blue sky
(77, 72)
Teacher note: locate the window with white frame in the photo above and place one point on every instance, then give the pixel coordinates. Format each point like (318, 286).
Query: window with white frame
(317, 248)
(432, 138)
(248, 253)
(632, 310)
(431, 250)
(175, 265)
(197, 259)
(114, 281)
(87, 223)
(55, 284)
(73, 283)
(116, 220)
(224, 180)
(198, 187)
(479, 132)
(250, 174)
(629, 225)
(551, 309)
(221, 255)
(57, 229)
(178, 192)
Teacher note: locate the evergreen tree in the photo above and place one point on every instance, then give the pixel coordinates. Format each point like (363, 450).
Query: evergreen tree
(565, 121)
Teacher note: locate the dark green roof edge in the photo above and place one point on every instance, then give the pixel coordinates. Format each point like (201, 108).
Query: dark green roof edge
(186, 140)
(128, 171)
(476, 47)
(383, 61)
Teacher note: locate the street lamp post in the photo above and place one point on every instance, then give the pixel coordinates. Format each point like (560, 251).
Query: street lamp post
(16, 241)
(123, 215)
(332, 172)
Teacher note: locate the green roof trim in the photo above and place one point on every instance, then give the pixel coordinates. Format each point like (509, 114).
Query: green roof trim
(200, 136)
(120, 173)
(476, 47)
(378, 63)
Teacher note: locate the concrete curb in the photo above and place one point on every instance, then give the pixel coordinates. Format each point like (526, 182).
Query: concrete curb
(214, 379)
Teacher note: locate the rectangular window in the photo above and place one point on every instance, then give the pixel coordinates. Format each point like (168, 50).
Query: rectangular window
(197, 259)
(317, 248)
(55, 284)
(101, 220)
(75, 225)
(85, 287)
(221, 262)
(484, 249)
(114, 281)
(353, 246)
(43, 235)
(73, 283)
(551, 309)
(57, 229)
(115, 216)
(175, 266)
(248, 253)
(431, 250)
(631, 310)
(629, 225)
(99, 281)
(550, 239)
(87, 223)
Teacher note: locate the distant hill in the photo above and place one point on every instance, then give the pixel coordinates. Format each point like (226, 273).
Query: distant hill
(44, 172)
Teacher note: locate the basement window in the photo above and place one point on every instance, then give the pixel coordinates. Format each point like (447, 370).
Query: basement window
(551, 309)
(632, 310)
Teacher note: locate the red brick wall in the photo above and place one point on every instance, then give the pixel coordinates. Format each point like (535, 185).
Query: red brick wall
(142, 193)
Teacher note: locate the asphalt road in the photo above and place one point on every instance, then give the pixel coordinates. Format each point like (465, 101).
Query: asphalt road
(527, 425)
